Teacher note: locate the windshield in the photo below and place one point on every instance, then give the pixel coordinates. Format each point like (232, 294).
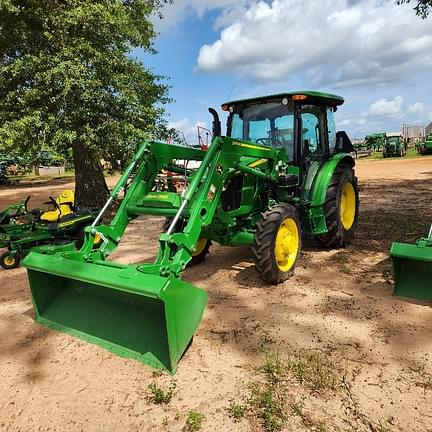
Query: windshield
(270, 124)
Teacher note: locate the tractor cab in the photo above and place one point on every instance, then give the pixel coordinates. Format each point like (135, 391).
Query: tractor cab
(301, 124)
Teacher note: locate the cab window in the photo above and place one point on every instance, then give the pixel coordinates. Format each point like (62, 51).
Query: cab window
(312, 131)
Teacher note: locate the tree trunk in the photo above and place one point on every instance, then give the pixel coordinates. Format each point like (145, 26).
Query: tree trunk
(91, 189)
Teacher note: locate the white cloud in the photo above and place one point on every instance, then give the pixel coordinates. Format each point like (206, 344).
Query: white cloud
(387, 108)
(416, 108)
(183, 9)
(188, 128)
(327, 42)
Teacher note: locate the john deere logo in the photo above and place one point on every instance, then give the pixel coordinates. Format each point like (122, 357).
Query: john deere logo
(219, 169)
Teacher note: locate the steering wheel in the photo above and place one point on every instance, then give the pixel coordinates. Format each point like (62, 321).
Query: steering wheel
(53, 202)
(269, 141)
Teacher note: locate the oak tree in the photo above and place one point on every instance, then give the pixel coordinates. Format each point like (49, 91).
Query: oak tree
(69, 79)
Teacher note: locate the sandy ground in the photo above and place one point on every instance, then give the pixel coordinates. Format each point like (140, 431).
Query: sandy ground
(339, 303)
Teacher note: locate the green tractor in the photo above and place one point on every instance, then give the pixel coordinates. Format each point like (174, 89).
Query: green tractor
(280, 171)
(425, 147)
(394, 146)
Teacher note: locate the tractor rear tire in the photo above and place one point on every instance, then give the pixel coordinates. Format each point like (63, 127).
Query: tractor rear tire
(8, 261)
(341, 209)
(277, 243)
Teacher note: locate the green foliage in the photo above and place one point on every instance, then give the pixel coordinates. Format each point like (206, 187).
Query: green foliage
(69, 76)
(160, 396)
(423, 7)
(237, 411)
(269, 402)
(274, 366)
(194, 421)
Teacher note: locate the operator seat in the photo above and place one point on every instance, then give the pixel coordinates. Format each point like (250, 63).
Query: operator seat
(65, 203)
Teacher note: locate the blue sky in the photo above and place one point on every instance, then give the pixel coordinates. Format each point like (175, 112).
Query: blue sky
(375, 54)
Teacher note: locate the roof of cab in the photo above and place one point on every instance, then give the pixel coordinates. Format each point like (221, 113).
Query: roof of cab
(315, 97)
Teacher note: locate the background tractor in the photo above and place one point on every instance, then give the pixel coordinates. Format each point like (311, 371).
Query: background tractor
(425, 147)
(280, 171)
(394, 146)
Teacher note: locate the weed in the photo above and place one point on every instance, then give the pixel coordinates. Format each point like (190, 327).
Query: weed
(160, 396)
(194, 421)
(312, 369)
(237, 411)
(274, 367)
(298, 407)
(269, 402)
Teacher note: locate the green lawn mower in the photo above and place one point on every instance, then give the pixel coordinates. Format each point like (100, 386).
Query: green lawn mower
(22, 229)
(15, 212)
(280, 171)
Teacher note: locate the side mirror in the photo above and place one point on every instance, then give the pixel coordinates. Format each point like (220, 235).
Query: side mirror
(216, 125)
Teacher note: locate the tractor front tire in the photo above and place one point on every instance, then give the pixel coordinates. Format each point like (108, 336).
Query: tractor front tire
(341, 209)
(277, 243)
(9, 261)
(202, 248)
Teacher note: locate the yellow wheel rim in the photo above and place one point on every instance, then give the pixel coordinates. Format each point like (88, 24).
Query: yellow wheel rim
(9, 260)
(287, 244)
(347, 206)
(200, 246)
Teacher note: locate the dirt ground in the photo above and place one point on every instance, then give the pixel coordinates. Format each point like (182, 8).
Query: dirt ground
(339, 303)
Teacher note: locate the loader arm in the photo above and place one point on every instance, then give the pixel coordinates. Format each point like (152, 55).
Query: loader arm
(143, 311)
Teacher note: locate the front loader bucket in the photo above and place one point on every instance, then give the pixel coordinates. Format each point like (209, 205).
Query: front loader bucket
(412, 264)
(136, 315)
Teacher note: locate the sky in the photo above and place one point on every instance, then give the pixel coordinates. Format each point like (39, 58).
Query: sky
(375, 54)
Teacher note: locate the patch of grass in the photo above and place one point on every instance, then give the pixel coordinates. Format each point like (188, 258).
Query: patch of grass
(274, 367)
(160, 396)
(194, 421)
(269, 403)
(237, 411)
(312, 369)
